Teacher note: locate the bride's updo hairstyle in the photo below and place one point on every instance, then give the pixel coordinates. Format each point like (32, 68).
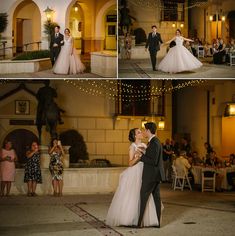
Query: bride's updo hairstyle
(67, 30)
(132, 135)
(178, 30)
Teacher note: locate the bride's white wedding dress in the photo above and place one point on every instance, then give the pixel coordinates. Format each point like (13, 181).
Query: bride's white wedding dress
(125, 205)
(68, 62)
(179, 59)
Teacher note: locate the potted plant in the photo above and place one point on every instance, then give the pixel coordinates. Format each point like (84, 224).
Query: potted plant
(49, 29)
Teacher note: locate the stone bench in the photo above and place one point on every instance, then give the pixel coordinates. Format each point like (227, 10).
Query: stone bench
(24, 66)
(76, 181)
(104, 64)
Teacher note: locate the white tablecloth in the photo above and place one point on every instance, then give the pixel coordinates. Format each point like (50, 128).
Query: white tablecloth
(197, 173)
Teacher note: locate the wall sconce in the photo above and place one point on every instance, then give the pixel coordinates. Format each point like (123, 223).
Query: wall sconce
(161, 125)
(229, 109)
(211, 18)
(173, 25)
(182, 25)
(76, 5)
(223, 18)
(143, 122)
(49, 13)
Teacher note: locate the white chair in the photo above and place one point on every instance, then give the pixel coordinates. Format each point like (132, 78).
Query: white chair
(208, 183)
(200, 51)
(180, 178)
(232, 59)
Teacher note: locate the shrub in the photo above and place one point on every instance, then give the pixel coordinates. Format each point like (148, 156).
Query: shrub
(3, 22)
(140, 36)
(31, 55)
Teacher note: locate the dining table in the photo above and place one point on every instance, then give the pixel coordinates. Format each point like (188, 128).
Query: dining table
(197, 173)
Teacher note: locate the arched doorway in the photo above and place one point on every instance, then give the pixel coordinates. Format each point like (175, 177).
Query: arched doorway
(26, 25)
(106, 25)
(75, 22)
(231, 19)
(111, 29)
(21, 140)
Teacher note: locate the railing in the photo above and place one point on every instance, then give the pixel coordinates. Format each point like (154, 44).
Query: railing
(27, 44)
(3, 48)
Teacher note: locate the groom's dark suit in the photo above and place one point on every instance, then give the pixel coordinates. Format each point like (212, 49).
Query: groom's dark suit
(153, 174)
(153, 44)
(55, 51)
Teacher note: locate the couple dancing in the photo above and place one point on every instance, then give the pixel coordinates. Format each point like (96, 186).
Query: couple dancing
(177, 59)
(64, 58)
(137, 201)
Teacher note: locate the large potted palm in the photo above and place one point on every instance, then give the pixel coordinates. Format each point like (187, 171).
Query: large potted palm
(49, 29)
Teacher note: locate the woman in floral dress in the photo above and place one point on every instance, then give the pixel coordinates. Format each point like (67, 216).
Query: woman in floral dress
(33, 174)
(56, 166)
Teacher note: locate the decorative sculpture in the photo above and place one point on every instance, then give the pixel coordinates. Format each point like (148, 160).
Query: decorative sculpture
(48, 112)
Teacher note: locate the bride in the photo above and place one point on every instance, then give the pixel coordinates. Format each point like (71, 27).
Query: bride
(68, 61)
(179, 58)
(125, 205)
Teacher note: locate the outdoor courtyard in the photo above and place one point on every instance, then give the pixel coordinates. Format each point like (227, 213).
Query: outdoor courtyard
(185, 213)
(141, 68)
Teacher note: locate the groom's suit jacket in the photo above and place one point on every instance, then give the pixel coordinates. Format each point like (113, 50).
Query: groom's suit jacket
(153, 170)
(153, 43)
(58, 40)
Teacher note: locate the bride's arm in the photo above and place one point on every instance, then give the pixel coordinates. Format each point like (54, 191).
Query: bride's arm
(168, 42)
(185, 39)
(133, 158)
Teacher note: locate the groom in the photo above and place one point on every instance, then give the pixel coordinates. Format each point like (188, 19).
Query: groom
(153, 172)
(57, 40)
(153, 44)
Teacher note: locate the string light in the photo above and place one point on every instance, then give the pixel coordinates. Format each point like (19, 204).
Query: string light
(117, 90)
(129, 93)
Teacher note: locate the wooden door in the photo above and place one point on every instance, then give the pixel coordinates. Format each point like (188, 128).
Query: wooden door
(19, 35)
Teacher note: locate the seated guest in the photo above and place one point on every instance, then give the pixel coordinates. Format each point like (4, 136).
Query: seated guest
(196, 160)
(182, 163)
(219, 52)
(185, 146)
(214, 161)
(232, 159)
(188, 46)
(231, 175)
(207, 49)
(231, 50)
(208, 148)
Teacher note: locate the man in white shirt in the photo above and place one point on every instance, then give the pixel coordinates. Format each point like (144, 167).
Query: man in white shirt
(182, 163)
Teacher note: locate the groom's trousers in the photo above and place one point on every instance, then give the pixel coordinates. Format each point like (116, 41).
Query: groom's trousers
(153, 56)
(55, 51)
(146, 190)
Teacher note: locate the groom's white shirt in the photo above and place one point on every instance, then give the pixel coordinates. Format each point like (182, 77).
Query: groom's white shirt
(151, 138)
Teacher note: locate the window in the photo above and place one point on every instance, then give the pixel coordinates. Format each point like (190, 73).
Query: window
(172, 10)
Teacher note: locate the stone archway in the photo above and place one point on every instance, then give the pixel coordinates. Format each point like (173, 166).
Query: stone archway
(75, 21)
(26, 25)
(100, 24)
(21, 140)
